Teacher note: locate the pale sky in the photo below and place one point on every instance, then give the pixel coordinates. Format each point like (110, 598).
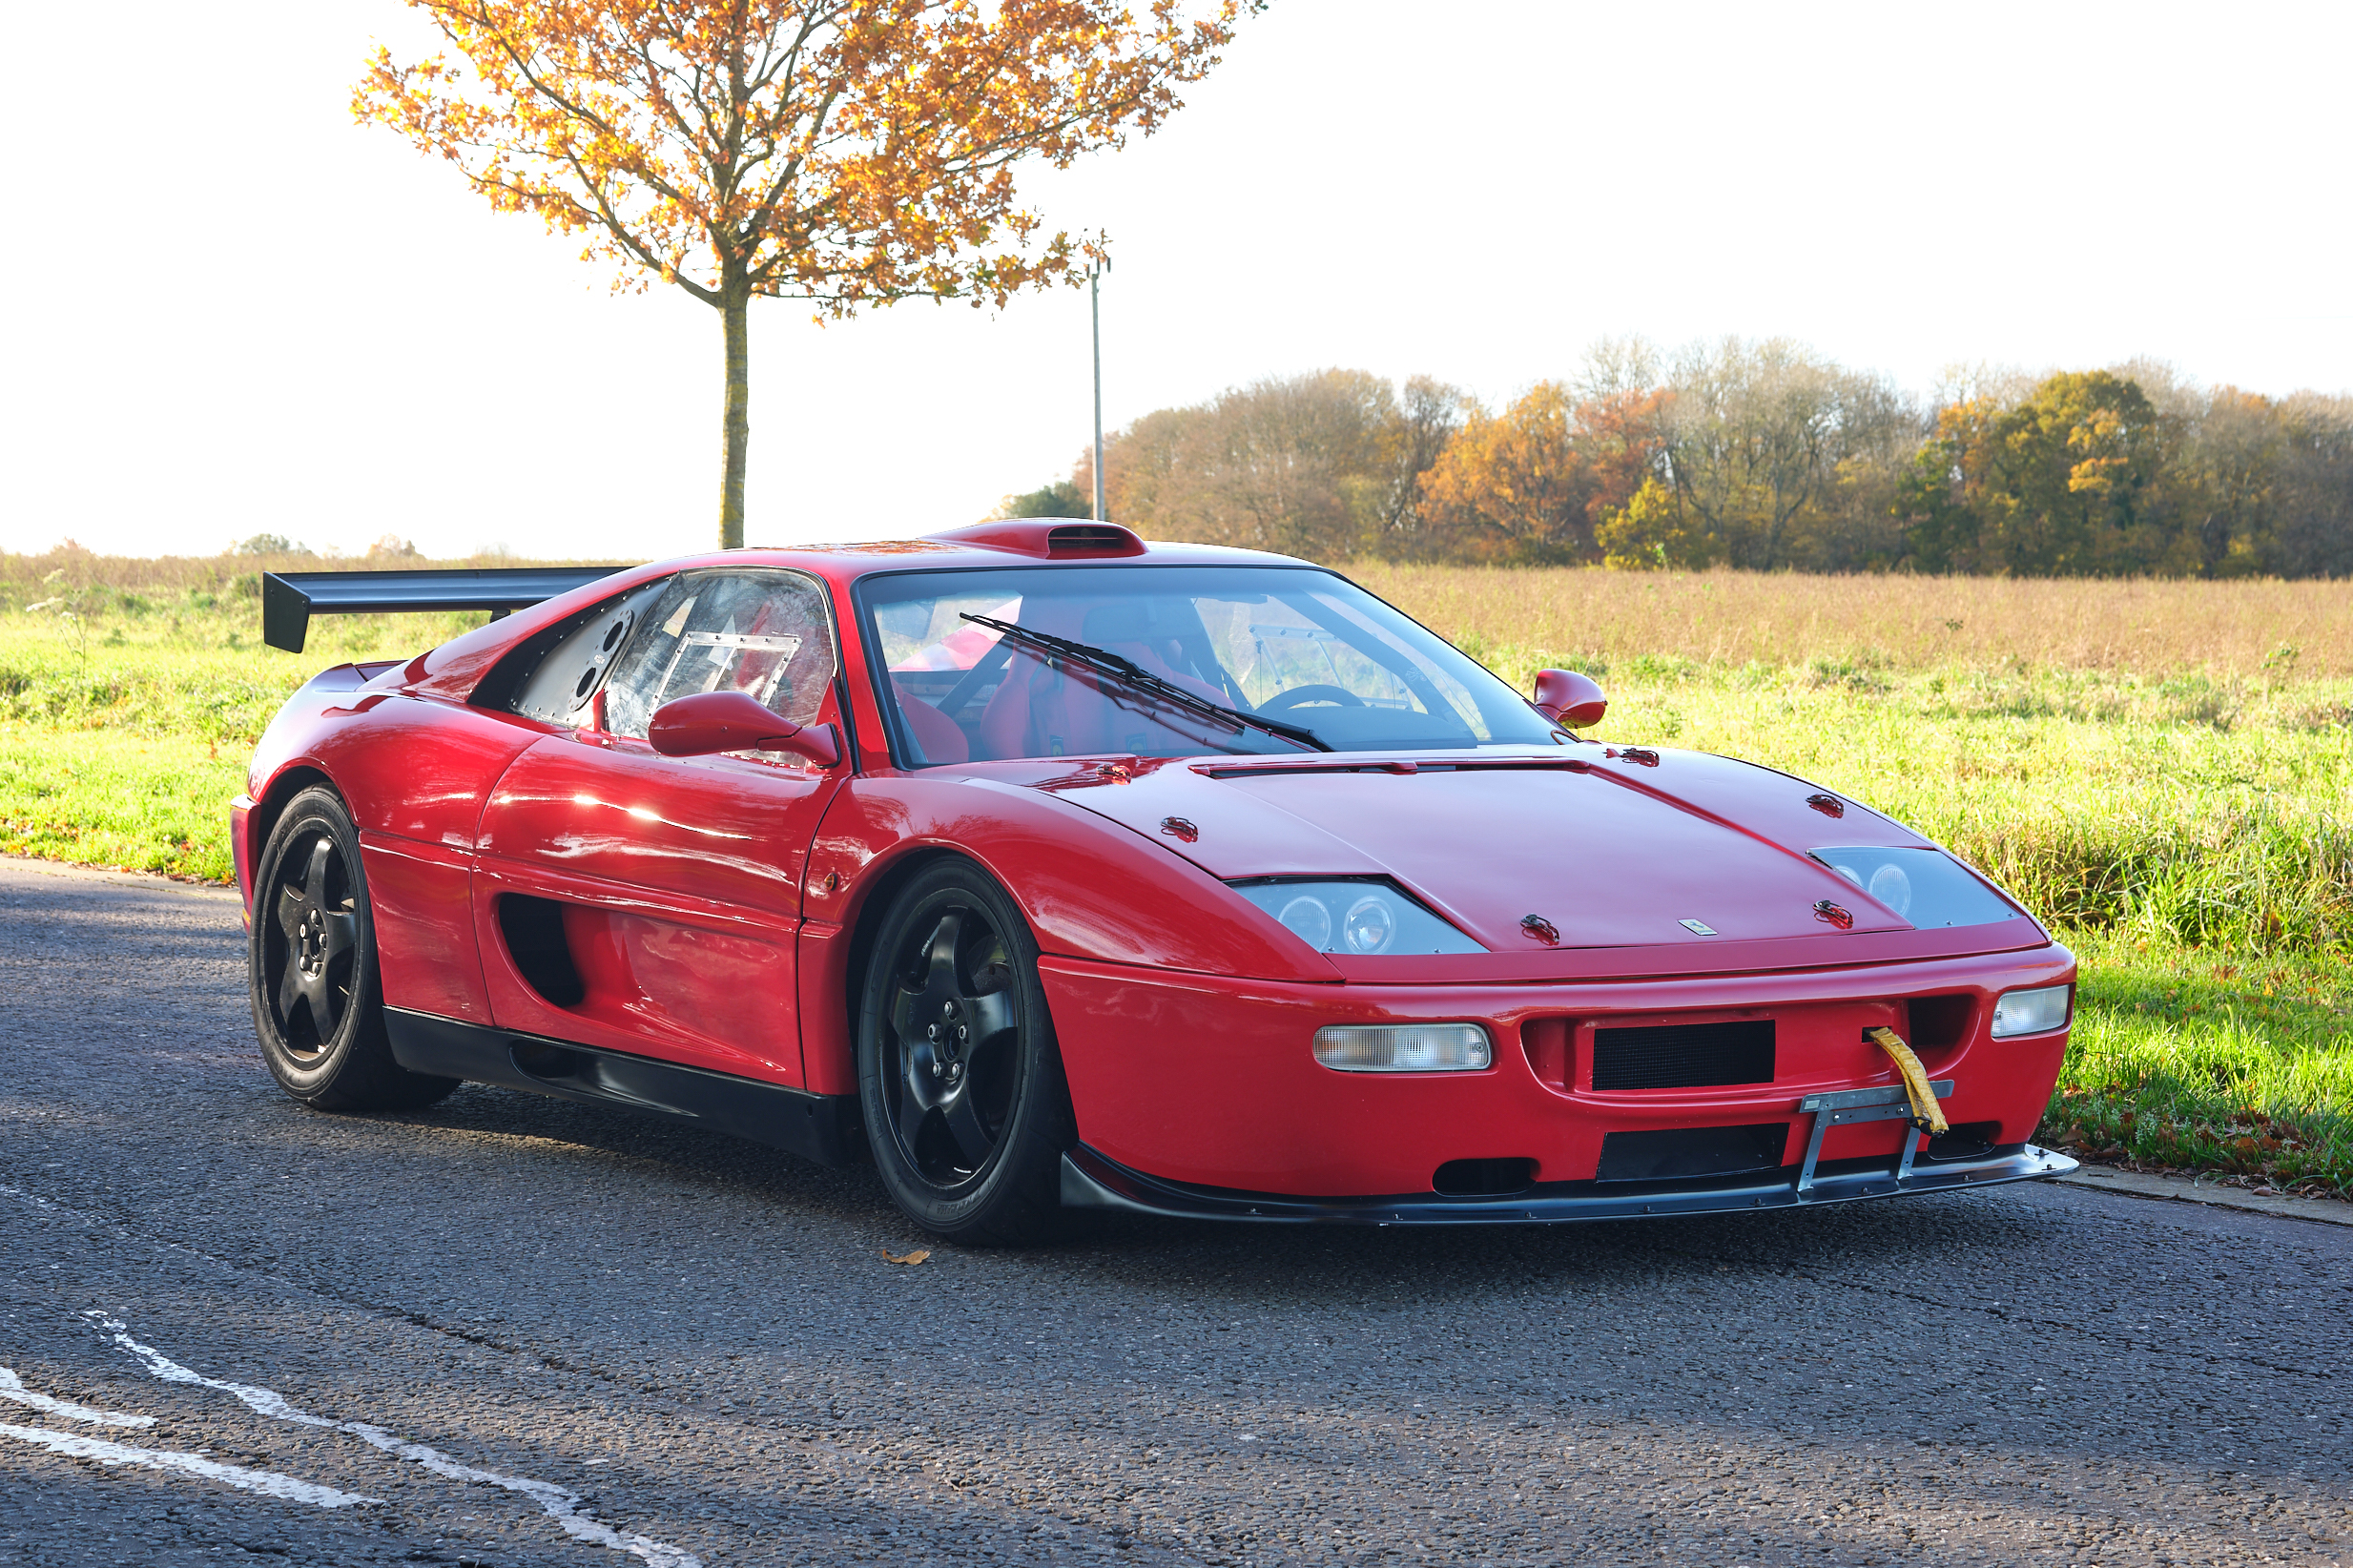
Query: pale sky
(230, 311)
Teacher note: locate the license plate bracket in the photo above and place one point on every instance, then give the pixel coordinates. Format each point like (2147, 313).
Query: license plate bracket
(1846, 1107)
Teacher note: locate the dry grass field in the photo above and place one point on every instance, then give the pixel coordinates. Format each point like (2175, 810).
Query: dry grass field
(2157, 629)
(2162, 771)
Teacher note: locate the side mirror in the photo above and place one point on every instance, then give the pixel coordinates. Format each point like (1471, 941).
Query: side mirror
(733, 721)
(1565, 697)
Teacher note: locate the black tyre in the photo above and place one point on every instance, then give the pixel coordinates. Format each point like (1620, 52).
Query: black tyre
(318, 1003)
(966, 1108)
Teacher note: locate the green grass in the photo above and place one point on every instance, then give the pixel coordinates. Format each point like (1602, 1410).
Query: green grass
(2193, 1060)
(2189, 830)
(109, 798)
(124, 736)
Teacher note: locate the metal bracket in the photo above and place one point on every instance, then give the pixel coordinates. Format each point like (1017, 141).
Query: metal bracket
(1848, 1107)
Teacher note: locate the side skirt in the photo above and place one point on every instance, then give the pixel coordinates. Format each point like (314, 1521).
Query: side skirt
(823, 1128)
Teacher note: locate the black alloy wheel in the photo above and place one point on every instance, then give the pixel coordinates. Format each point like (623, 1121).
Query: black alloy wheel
(314, 949)
(961, 1087)
(317, 999)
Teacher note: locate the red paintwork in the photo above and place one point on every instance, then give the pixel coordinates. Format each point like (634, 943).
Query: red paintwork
(1566, 698)
(1209, 1080)
(714, 906)
(684, 874)
(1037, 536)
(711, 722)
(240, 852)
(424, 925)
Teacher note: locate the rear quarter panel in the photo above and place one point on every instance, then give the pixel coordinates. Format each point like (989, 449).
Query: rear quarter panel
(414, 773)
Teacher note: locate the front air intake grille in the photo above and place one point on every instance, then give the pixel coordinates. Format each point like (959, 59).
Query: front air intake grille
(1676, 1153)
(1684, 1056)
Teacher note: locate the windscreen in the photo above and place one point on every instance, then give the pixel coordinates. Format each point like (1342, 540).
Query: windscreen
(1290, 644)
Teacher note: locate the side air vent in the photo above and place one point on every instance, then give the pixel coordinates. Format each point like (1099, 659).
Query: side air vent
(534, 933)
(1684, 1056)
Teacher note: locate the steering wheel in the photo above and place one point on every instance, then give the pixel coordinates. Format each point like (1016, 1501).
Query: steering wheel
(1298, 696)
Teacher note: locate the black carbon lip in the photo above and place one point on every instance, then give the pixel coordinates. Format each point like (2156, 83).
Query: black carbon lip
(1090, 1179)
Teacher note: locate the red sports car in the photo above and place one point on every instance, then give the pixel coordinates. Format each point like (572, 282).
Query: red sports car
(1055, 871)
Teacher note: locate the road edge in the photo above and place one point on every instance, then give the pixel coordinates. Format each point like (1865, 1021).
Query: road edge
(122, 877)
(2181, 1190)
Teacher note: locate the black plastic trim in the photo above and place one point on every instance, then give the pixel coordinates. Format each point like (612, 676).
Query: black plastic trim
(823, 1128)
(1091, 1181)
(289, 599)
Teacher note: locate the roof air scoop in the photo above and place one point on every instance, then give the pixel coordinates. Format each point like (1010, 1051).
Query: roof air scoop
(1048, 537)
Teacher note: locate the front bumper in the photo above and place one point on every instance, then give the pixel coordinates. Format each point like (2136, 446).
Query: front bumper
(1090, 1181)
(1209, 1084)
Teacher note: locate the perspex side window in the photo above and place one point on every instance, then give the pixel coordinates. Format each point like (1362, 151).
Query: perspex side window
(767, 633)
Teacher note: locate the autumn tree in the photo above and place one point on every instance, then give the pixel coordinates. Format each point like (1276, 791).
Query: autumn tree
(1533, 482)
(1755, 436)
(2312, 534)
(1653, 531)
(1060, 499)
(849, 153)
(1429, 414)
(2062, 484)
(2221, 483)
(1321, 465)
(1756, 455)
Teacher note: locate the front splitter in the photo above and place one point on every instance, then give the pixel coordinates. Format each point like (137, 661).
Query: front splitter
(1091, 1181)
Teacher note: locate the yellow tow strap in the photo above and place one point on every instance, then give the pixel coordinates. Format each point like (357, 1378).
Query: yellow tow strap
(1924, 1107)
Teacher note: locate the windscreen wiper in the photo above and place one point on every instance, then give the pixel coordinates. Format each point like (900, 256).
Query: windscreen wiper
(1103, 662)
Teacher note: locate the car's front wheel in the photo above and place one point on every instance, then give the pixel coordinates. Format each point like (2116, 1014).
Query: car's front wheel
(961, 1086)
(311, 966)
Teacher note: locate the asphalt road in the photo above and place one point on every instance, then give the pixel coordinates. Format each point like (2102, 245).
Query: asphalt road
(513, 1331)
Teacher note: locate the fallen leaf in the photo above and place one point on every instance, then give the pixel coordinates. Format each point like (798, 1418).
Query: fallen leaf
(913, 1257)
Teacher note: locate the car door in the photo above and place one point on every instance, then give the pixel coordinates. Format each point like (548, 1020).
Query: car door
(649, 904)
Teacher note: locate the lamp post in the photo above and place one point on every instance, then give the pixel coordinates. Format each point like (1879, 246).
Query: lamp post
(1094, 309)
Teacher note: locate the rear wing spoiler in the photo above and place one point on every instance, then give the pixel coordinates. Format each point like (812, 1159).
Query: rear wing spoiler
(290, 599)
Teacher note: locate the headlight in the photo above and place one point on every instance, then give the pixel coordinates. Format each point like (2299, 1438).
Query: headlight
(1925, 886)
(2031, 1012)
(1355, 918)
(1309, 919)
(1404, 1047)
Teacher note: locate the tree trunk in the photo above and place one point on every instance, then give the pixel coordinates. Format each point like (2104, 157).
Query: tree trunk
(735, 422)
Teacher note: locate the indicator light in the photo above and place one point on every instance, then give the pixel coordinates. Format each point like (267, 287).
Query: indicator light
(1404, 1047)
(2034, 1012)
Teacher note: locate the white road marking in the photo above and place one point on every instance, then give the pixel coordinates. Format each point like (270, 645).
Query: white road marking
(13, 1387)
(562, 1506)
(268, 1482)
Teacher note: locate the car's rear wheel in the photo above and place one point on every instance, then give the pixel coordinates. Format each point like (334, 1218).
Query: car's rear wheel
(311, 966)
(966, 1109)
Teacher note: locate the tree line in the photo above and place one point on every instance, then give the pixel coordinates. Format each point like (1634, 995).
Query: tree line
(1762, 455)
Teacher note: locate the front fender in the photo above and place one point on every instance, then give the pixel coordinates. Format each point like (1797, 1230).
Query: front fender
(1090, 889)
